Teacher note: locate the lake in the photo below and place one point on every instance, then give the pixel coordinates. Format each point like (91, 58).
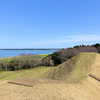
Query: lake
(13, 53)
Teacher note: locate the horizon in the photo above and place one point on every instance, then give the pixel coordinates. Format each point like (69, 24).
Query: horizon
(49, 24)
(43, 48)
(29, 48)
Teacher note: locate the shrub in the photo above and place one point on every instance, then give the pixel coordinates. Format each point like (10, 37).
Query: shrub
(18, 63)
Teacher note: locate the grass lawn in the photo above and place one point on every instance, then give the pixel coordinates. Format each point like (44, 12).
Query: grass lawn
(31, 73)
(44, 55)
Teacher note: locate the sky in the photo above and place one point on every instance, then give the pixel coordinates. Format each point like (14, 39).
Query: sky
(49, 23)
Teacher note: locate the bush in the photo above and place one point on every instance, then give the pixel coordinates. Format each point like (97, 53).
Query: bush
(18, 63)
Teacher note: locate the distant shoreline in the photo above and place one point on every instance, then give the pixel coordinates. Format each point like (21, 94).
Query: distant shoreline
(28, 49)
(22, 56)
(15, 52)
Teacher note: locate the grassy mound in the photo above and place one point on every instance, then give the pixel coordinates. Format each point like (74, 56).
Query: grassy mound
(73, 70)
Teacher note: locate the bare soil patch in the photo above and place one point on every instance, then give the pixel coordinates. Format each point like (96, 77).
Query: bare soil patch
(34, 81)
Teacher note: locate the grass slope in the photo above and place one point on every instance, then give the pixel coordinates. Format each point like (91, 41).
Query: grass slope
(30, 73)
(73, 70)
(96, 66)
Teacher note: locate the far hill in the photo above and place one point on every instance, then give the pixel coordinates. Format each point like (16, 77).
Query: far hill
(73, 70)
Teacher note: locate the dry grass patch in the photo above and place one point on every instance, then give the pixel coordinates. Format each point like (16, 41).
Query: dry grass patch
(88, 90)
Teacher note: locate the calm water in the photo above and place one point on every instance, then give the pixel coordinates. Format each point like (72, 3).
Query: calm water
(12, 53)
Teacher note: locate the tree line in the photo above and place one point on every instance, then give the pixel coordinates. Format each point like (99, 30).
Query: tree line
(63, 55)
(22, 62)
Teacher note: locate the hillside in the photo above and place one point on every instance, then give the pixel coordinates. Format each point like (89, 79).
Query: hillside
(81, 65)
(73, 70)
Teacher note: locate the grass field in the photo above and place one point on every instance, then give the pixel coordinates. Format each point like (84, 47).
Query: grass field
(31, 73)
(88, 89)
(44, 55)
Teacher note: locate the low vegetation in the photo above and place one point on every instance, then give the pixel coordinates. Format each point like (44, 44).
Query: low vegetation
(23, 61)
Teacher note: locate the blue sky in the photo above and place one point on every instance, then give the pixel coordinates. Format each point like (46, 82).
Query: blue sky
(49, 23)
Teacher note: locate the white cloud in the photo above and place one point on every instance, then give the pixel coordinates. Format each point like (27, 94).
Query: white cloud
(84, 38)
(68, 39)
